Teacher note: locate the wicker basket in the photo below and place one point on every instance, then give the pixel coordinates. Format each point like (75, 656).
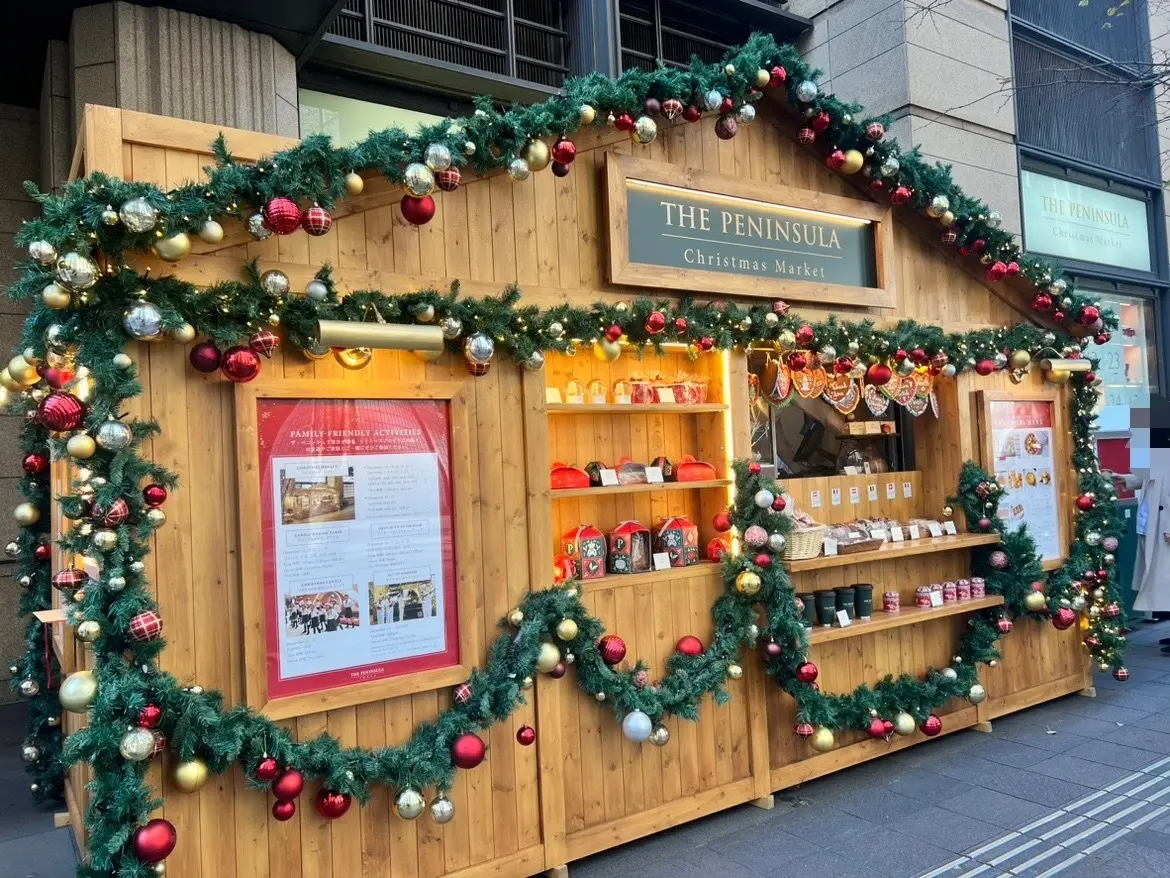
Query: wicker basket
(804, 544)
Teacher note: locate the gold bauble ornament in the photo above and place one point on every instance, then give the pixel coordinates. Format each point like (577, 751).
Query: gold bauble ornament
(1034, 601)
(7, 382)
(567, 629)
(88, 631)
(1058, 376)
(947, 218)
(747, 582)
(211, 232)
(587, 114)
(184, 333)
(822, 740)
(516, 618)
(1019, 359)
(156, 517)
(904, 724)
(81, 446)
(190, 776)
(122, 361)
(734, 671)
(607, 351)
(786, 340)
(537, 155)
(526, 683)
(22, 372)
(353, 184)
(409, 804)
(428, 356)
(27, 514)
(78, 691)
(948, 511)
(763, 78)
(548, 658)
(173, 248)
(354, 358)
(854, 161)
(56, 297)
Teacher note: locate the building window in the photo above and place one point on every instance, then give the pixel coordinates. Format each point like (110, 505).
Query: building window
(674, 30)
(1127, 364)
(1122, 37)
(519, 39)
(348, 120)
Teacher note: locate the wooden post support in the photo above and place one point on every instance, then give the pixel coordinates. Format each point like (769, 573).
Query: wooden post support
(984, 727)
(1089, 692)
(557, 872)
(61, 818)
(764, 803)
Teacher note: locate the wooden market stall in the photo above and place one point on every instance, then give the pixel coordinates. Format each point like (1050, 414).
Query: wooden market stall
(584, 787)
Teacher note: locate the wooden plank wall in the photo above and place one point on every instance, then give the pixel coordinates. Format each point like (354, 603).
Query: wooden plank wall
(583, 787)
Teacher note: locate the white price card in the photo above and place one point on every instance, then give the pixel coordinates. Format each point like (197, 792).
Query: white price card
(654, 475)
(830, 546)
(877, 533)
(814, 499)
(915, 532)
(949, 527)
(866, 467)
(891, 491)
(843, 618)
(850, 470)
(907, 490)
(936, 599)
(896, 534)
(553, 395)
(871, 492)
(661, 561)
(854, 494)
(934, 528)
(835, 496)
(665, 394)
(609, 478)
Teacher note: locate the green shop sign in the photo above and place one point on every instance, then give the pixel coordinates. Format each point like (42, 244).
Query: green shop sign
(687, 229)
(1066, 219)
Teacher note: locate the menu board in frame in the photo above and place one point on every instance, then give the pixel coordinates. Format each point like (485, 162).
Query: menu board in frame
(1024, 446)
(353, 520)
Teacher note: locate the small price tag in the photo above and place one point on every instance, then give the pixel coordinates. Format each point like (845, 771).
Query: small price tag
(552, 395)
(654, 475)
(609, 478)
(865, 467)
(666, 394)
(814, 499)
(843, 618)
(936, 599)
(891, 491)
(896, 534)
(871, 492)
(854, 494)
(949, 528)
(835, 496)
(830, 546)
(878, 533)
(915, 532)
(661, 561)
(933, 527)
(907, 490)
(850, 470)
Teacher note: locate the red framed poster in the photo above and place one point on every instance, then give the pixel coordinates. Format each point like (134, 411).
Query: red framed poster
(357, 542)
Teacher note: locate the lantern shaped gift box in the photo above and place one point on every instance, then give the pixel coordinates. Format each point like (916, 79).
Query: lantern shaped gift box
(585, 544)
(629, 548)
(679, 539)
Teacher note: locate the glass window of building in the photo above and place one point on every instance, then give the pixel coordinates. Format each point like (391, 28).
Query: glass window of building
(1127, 364)
(348, 120)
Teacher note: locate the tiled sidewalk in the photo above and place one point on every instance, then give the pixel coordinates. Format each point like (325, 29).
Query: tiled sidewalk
(1079, 787)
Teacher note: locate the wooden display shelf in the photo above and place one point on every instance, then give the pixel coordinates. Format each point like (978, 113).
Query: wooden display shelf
(623, 580)
(638, 489)
(908, 616)
(891, 551)
(675, 408)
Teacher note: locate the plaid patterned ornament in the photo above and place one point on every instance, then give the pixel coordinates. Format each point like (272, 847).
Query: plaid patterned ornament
(448, 180)
(112, 515)
(145, 626)
(282, 215)
(68, 580)
(264, 341)
(317, 220)
(160, 742)
(461, 694)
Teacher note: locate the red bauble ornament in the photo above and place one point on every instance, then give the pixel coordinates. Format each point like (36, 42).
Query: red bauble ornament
(282, 215)
(1041, 302)
(1120, 674)
(1084, 502)
(149, 717)
(985, 524)
(821, 121)
(772, 648)
(43, 552)
(240, 364)
(806, 136)
(563, 569)
(461, 694)
(721, 521)
(726, 128)
(754, 467)
(805, 336)
(624, 122)
(985, 367)
(1013, 268)
(417, 211)
(717, 548)
(932, 726)
(779, 503)
(997, 271)
(878, 374)
(526, 736)
(947, 237)
(877, 185)
(1058, 316)
(672, 108)
(112, 515)
(706, 343)
(559, 671)
(564, 151)
(153, 841)
(727, 106)
(283, 810)
(1103, 337)
(331, 804)
(680, 324)
(1037, 586)
(804, 730)
(692, 113)
(875, 131)
(1089, 377)
(145, 626)
(964, 251)
(288, 785)
(264, 341)
(1102, 575)
(777, 77)
(919, 357)
(60, 412)
(797, 361)
(835, 159)
(1003, 625)
(900, 355)
(560, 169)
(317, 221)
(655, 322)
(1063, 619)
(467, 750)
(1090, 314)
(876, 728)
(807, 672)
(613, 333)
(1111, 611)
(978, 245)
(763, 560)
(205, 357)
(35, 463)
(689, 645)
(1090, 576)
(154, 495)
(900, 195)
(266, 769)
(612, 649)
(448, 179)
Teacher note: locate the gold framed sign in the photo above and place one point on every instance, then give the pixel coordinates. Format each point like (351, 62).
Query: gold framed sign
(687, 229)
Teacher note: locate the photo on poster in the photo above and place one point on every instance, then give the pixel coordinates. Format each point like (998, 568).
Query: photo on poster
(318, 498)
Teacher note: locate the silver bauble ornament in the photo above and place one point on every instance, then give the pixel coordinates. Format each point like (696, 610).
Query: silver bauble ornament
(949, 370)
(645, 130)
(1093, 538)
(138, 215)
(939, 205)
(479, 348)
(764, 498)
(660, 736)
(143, 321)
(976, 694)
(29, 688)
(806, 91)
(156, 517)
(12, 550)
(452, 328)
(994, 219)
(713, 100)
(442, 810)
(317, 290)
(116, 583)
(776, 542)
(418, 180)
(437, 157)
(518, 169)
(1058, 286)
(950, 674)
(113, 435)
(746, 114)
(258, 227)
(122, 361)
(275, 282)
(890, 166)
(137, 745)
(637, 726)
(42, 252)
(76, 272)
(534, 362)
(409, 804)
(30, 752)
(771, 320)
(555, 329)
(109, 216)
(137, 567)
(105, 540)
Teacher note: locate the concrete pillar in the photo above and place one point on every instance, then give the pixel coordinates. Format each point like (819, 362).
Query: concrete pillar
(176, 64)
(56, 117)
